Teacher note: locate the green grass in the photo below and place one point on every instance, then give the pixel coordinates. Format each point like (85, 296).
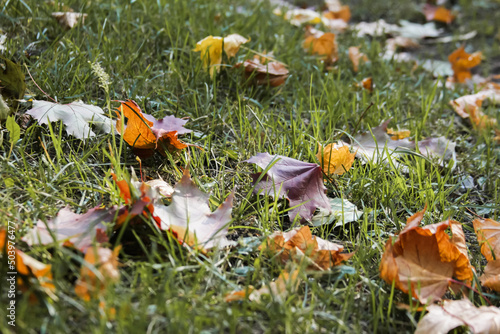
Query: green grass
(146, 48)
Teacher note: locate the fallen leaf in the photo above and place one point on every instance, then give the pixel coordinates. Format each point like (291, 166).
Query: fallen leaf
(300, 245)
(211, 50)
(77, 117)
(377, 28)
(190, 219)
(341, 13)
(491, 275)
(418, 31)
(435, 13)
(335, 158)
(367, 83)
(299, 16)
(423, 260)
(285, 284)
(355, 56)
(377, 146)
(488, 236)
(300, 182)
(321, 44)
(69, 20)
(145, 133)
(12, 86)
(99, 270)
(469, 106)
(270, 73)
(398, 134)
(340, 209)
(26, 266)
(72, 229)
(456, 313)
(461, 63)
(400, 42)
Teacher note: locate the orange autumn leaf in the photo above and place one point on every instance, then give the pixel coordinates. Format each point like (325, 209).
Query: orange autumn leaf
(367, 83)
(27, 267)
(462, 62)
(99, 270)
(488, 236)
(343, 13)
(470, 106)
(300, 245)
(398, 134)
(355, 56)
(440, 14)
(145, 133)
(491, 275)
(335, 159)
(423, 260)
(321, 44)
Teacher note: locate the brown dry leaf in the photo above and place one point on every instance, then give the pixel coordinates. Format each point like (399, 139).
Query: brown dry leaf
(491, 275)
(424, 259)
(99, 270)
(455, 313)
(69, 20)
(265, 73)
(469, 106)
(488, 236)
(355, 56)
(335, 158)
(299, 244)
(398, 134)
(279, 289)
(462, 62)
(321, 44)
(440, 14)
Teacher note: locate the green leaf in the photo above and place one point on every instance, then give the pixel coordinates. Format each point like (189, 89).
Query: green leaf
(14, 130)
(12, 84)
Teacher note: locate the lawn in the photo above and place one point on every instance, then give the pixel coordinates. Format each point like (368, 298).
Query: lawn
(143, 50)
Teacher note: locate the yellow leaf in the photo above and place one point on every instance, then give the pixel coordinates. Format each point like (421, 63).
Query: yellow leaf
(232, 44)
(335, 159)
(211, 53)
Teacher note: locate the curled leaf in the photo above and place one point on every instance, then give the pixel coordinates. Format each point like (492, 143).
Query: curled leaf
(271, 73)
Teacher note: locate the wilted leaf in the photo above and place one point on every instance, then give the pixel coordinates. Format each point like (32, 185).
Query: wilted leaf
(491, 275)
(211, 50)
(12, 85)
(355, 56)
(265, 73)
(300, 182)
(456, 313)
(99, 270)
(77, 117)
(335, 158)
(435, 13)
(469, 106)
(190, 219)
(340, 209)
(300, 245)
(145, 133)
(488, 236)
(462, 62)
(69, 19)
(72, 229)
(321, 44)
(423, 260)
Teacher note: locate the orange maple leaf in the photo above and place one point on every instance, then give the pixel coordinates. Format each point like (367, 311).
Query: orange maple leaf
(335, 159)
(423, 260)
(321, 44)
(398, 134)
(462, 62)
(145, 133)
(440, 14)
(343, 13)
(299, 244)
